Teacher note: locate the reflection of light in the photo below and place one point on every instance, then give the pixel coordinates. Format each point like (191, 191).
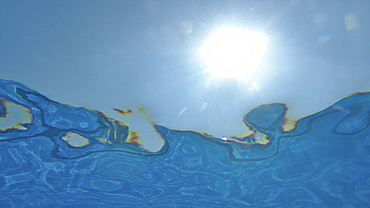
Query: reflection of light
(16, 116)
(254, 87)
(141, 129)
(186, 27)
(351, 22)
(233, 53)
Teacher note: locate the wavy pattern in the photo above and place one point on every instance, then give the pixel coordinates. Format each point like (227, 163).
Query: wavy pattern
(320, 161)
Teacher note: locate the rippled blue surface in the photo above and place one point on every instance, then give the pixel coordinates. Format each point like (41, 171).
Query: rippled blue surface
(323, 162)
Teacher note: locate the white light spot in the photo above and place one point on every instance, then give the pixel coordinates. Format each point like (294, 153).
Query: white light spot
(233, 53)
(204, 106)
(182, 111)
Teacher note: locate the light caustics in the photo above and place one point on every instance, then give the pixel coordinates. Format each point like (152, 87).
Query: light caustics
(77, 132)
(80, 131)
(25, 113)
(38, 135)
(233, 53)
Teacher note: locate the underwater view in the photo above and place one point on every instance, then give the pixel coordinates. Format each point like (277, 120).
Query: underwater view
(158, 103)
(59, 155)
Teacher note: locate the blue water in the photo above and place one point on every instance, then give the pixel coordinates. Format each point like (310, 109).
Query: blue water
(323, 162)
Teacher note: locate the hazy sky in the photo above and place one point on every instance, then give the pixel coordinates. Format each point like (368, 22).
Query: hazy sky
(104, 54)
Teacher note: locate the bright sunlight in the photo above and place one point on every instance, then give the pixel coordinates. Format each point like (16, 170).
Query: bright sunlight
(233, 53)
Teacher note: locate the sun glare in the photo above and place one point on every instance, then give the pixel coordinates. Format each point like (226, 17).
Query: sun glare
(233, 53)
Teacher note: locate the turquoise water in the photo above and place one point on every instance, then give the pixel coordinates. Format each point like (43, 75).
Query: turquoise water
(322, 162)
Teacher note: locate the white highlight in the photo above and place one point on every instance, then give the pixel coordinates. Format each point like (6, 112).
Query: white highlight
(182, 111)
(233, 53)
(204, 106)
